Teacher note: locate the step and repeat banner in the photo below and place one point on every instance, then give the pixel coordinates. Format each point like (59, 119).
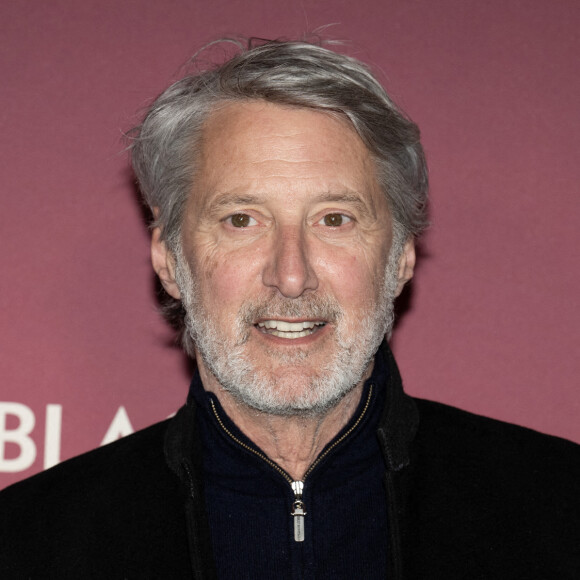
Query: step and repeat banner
(491, 321)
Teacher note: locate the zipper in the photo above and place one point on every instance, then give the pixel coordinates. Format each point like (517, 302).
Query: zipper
(298, 509)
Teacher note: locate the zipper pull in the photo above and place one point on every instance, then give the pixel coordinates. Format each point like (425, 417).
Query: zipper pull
(298, 512)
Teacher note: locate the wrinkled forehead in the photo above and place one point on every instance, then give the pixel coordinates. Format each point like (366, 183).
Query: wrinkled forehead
(256, 144)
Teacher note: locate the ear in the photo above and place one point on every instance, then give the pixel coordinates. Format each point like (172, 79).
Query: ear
(406, 265)
(164, 264)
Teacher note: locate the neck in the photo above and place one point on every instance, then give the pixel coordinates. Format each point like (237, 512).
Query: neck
(293, 442)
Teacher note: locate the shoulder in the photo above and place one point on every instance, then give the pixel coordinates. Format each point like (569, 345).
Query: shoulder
(91, 508)
(448, 431)
(496, 495)
(100, 468)
(481, 450)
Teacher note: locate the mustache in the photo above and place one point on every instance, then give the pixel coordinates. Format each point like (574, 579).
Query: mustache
(311, 306)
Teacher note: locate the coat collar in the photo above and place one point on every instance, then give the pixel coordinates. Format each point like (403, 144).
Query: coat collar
(400, 418)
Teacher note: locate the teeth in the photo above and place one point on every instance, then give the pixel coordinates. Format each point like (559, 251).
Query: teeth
(291, 334)
(285, 329)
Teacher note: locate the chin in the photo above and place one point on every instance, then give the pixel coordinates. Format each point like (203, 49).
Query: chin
(290, 393)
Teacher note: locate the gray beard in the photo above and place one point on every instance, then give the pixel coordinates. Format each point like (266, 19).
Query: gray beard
(226, 359)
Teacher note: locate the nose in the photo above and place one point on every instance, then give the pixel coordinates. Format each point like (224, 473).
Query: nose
(289, 267)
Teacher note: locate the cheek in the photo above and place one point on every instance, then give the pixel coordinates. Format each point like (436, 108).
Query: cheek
(226, 277)
(353, 279)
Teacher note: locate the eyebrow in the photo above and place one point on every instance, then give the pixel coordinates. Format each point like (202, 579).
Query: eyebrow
(228, 199)
(351, 198)
(343, 196)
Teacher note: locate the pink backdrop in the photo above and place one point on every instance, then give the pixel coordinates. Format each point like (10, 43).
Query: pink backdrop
(493, 320)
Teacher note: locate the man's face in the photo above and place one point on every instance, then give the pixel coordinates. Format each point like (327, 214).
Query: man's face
(282, 271)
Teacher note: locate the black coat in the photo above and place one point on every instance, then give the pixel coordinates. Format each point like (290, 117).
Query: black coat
(469, 498)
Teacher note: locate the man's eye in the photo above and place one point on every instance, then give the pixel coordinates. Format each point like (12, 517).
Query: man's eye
(242, 220)
(335, 220)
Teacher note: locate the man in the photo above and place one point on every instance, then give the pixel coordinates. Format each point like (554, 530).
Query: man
(287, 190)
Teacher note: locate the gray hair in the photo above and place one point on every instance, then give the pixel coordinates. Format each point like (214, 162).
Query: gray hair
(166, 145)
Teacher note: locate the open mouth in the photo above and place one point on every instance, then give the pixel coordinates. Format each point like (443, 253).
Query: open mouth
(290, 330)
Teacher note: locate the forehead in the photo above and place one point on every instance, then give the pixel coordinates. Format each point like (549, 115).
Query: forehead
(262, 147)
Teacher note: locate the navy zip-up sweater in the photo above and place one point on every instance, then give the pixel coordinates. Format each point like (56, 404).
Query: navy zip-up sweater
(249, 499)
(468, 498)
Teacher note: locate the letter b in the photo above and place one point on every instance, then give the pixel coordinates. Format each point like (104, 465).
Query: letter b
(19, 436)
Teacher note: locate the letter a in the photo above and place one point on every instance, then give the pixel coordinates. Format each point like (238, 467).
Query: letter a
(120, 427)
